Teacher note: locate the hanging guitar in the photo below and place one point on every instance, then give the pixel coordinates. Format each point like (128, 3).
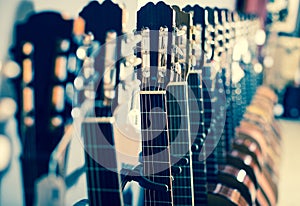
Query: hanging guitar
(178, 112)
(196, 105)
(42, 48)
(155, 22)
(229, 174)
(101, 76)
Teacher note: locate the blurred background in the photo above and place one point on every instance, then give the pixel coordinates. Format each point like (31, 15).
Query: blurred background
(279, 54)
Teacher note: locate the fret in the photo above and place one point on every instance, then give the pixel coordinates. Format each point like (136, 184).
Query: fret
(157, 194)
(158, 163)
(181, 129)
(153, 130)
(104, 190)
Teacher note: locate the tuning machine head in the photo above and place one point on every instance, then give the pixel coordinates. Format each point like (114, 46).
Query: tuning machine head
(10, 69)
(6, 153)
(8, 108)
(162, 54)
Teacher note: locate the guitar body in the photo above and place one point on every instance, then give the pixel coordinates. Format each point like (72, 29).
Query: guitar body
(221, 195)
(271, 157)
(238, 179)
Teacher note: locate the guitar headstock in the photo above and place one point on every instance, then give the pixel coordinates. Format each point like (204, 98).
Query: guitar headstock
(219, 19)
(182, 53)
(156, 24)
(106, 62)
(209, 45)
(43, 47)
(198, 35)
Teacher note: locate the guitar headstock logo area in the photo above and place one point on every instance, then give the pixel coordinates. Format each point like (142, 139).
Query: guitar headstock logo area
(111, 74)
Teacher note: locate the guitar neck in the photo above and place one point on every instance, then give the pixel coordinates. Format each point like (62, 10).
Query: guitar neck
(104, 21)
(103, 179)
(209, 100)
(178, 121)
(155, 146)
(197, 130)
(224, 140)
(229, 127)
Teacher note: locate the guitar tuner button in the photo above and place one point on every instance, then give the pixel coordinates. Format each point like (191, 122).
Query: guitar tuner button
(11, 69)
(56, 121)
(27, 48)
(28, 121)
(64, 45)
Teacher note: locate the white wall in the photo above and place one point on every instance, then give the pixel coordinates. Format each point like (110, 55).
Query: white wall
(230, 4)
(8, 9)
(8, 14)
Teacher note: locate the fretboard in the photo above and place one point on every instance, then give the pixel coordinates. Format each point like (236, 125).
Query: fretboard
(103, 180)
(197, 130)
(155, 146)
(221, 147)
(209, 100)
(229, 126)
(180, 139)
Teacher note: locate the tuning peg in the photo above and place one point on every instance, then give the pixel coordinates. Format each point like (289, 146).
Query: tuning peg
(88, 38)
(81, 52)
(78, 26)
(133, 61)
(6, 153)
(8, 108)
(79, 83)
(130, 44)
(11, 69)
(182, 31)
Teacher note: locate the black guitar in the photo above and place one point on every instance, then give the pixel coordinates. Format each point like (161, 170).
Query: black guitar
(196, 104)
(178, 112)
(155, 22)
(42, 48)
